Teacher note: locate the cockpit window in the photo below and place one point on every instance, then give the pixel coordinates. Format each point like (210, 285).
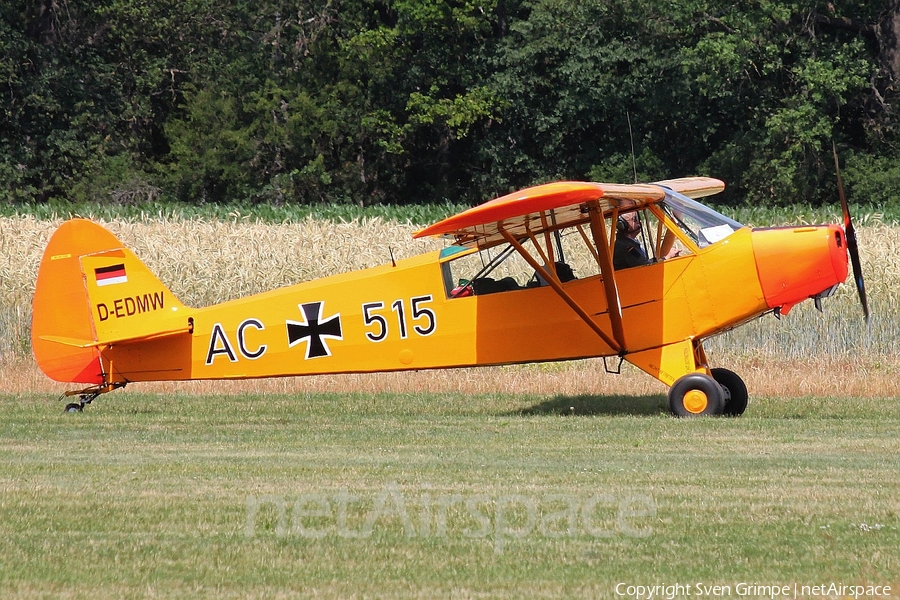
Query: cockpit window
(469, 272)
(701, 223)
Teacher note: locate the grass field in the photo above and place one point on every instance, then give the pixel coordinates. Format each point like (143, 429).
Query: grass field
(554, 480)
(441, 495)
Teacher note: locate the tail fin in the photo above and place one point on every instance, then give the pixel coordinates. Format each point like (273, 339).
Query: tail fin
(91, 291)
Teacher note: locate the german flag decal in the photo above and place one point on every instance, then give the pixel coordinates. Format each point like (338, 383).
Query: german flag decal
(111, 275)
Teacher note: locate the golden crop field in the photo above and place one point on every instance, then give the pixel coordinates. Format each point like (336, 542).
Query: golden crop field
(209, 261)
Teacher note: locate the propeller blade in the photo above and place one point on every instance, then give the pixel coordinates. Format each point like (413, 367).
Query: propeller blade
(850, 235)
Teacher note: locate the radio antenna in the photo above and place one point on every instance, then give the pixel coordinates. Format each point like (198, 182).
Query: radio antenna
(631, 137)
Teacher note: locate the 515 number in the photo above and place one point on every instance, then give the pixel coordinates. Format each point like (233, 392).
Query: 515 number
(423, 319)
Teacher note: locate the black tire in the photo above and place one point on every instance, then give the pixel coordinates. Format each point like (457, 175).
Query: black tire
(736, 395)
(695, 395)
(73, 407)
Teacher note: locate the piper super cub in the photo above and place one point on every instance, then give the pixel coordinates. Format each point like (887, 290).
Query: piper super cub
(561, 271)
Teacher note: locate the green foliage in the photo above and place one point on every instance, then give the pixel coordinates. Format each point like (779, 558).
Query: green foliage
(209, 148)
(874, 180)
(311, 101)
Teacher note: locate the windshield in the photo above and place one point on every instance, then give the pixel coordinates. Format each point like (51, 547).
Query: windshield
(701, 223)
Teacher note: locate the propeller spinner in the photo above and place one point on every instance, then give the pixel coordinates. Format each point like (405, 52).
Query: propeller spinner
(850, 235)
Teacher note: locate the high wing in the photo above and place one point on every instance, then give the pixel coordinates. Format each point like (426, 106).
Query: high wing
(552, 206)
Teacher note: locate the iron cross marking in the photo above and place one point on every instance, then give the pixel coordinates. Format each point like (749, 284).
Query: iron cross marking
(313, 330)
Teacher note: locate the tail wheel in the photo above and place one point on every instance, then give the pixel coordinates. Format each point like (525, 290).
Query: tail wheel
(735, 391)
(696, 395)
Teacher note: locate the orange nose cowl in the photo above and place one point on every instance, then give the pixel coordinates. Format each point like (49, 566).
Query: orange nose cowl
(796, 263)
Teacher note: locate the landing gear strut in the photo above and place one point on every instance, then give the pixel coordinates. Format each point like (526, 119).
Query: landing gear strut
(83, 400)
(88, 395)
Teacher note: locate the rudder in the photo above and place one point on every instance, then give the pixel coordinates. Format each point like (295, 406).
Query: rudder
(92, 291)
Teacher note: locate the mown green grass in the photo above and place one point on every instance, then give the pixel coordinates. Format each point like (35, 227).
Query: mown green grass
(148, 495)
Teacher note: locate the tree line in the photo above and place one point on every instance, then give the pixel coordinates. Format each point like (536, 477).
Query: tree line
(411, 101)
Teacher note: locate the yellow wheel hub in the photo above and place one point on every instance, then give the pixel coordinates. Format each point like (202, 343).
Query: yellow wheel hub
(695, 402)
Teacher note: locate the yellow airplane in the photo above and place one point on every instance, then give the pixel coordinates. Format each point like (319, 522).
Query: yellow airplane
(561, 271)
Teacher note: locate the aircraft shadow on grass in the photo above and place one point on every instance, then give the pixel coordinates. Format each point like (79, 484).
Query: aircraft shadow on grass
(585, 404)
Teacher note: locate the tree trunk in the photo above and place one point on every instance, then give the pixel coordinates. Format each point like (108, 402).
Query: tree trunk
(41, 19)
(888, 34)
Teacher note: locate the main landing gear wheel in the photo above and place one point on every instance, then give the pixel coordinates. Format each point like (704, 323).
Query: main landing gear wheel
(696, 394)
(735, 392)
(74, 407)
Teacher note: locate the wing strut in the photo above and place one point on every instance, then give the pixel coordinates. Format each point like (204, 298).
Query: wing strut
(604, 254)
(554, 283)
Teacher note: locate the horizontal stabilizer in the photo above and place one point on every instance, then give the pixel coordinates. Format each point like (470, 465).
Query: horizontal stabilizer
(79, 343)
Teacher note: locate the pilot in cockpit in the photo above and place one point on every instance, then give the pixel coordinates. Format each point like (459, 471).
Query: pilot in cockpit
(629, 252)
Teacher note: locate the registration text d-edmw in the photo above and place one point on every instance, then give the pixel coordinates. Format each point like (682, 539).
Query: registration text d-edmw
(130, 306)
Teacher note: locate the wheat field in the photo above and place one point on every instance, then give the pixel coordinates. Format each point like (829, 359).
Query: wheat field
(209, 261)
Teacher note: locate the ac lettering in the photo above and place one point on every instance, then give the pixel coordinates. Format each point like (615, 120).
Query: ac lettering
(130, 306)
(220, 344)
